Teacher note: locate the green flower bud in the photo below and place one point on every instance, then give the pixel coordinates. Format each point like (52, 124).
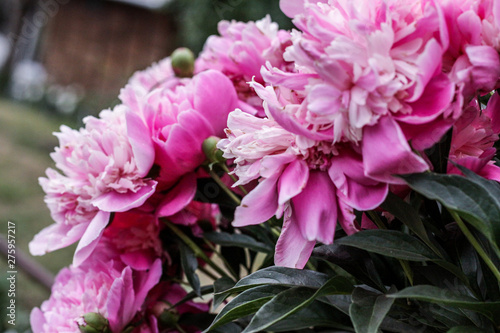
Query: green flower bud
(183, 62)
(94, 322)
(213, 154)
(167, 318)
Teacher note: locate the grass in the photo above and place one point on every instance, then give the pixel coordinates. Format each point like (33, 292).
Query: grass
(26, 141)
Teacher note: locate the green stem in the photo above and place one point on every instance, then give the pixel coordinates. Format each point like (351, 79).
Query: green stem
(475, 244)
(376, 219)
(231, 271)
(404, 263)
(208, 273)
(196, 249)
(224, 187)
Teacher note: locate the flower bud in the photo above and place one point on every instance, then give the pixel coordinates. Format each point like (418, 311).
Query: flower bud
(167, 318)
(93, 322)
(213, 154)
(183, 62)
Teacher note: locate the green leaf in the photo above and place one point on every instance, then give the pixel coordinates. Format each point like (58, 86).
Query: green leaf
(189, 265)
(245, 304)
(368, 310)
(447, 297)
(466, 329)
(279, 276)
(410, 217)
(221, 287)
(292, 300)
(390, 243)
(474, 198)
(314, 315)
(239, 240)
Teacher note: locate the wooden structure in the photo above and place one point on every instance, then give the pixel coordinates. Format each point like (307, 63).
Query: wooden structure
(99, 44)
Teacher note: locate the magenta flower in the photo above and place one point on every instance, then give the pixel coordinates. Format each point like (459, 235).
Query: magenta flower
(473, 139)
(312, 184)
(101, 285)
(102, 171)
(472, 59)
(240, 51)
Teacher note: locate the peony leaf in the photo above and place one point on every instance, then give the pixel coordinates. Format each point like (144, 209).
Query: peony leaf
(239, 240)
(189, 265)
(368, 310)
(390, 243)
(474, 198)
(452, 298)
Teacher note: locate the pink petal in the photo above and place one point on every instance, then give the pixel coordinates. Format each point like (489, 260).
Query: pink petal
(436, 98)
(315, 208)
(178, 197)
(121, 202)
(386, 152)
(347, 219)
(142, 145)
(91, 237)
(55, 237)
(293, 180)
(146, 281)
(292, 7)
(292, 249)
(429, 61)
(259, 205)
(359, 191)
(424, 136)
(37, 320)
(493, 111)
(214, 98)
(138, 260)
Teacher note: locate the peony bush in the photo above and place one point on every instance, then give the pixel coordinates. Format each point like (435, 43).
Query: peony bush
(339, 177)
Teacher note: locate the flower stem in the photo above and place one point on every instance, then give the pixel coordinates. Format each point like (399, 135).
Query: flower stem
(404, 263)
(196, 249)
(224, 187)
(231, 271)
(475, 244)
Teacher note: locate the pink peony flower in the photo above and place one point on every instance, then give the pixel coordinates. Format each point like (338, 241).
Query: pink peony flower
(473, 139)
(357, 63)
(160, 299)
(177, 120)
(101, 172)
(311, 183)
(101, 285)
(473, 55)
(240, 51)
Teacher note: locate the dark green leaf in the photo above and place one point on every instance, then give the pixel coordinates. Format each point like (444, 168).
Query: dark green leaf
(228, 328)
(390, 243)
(438, 153)
(368, 310)
(280, 276)
(239, 240)
(189, 265)
(292, 300)
(474, 198)
(466, 329)
(248, 302)
(315, 314)
(410, 217)
(221, 286)
(448, 297)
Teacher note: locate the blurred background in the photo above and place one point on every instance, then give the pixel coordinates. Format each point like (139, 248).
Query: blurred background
(61, 60)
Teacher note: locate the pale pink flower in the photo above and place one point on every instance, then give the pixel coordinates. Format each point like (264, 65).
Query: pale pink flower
(103, 285)
(102, 171)
(241, 50)
(311, 183)
(358, 62)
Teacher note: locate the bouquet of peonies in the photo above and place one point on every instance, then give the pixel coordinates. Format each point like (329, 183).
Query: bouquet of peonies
(360, 146)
